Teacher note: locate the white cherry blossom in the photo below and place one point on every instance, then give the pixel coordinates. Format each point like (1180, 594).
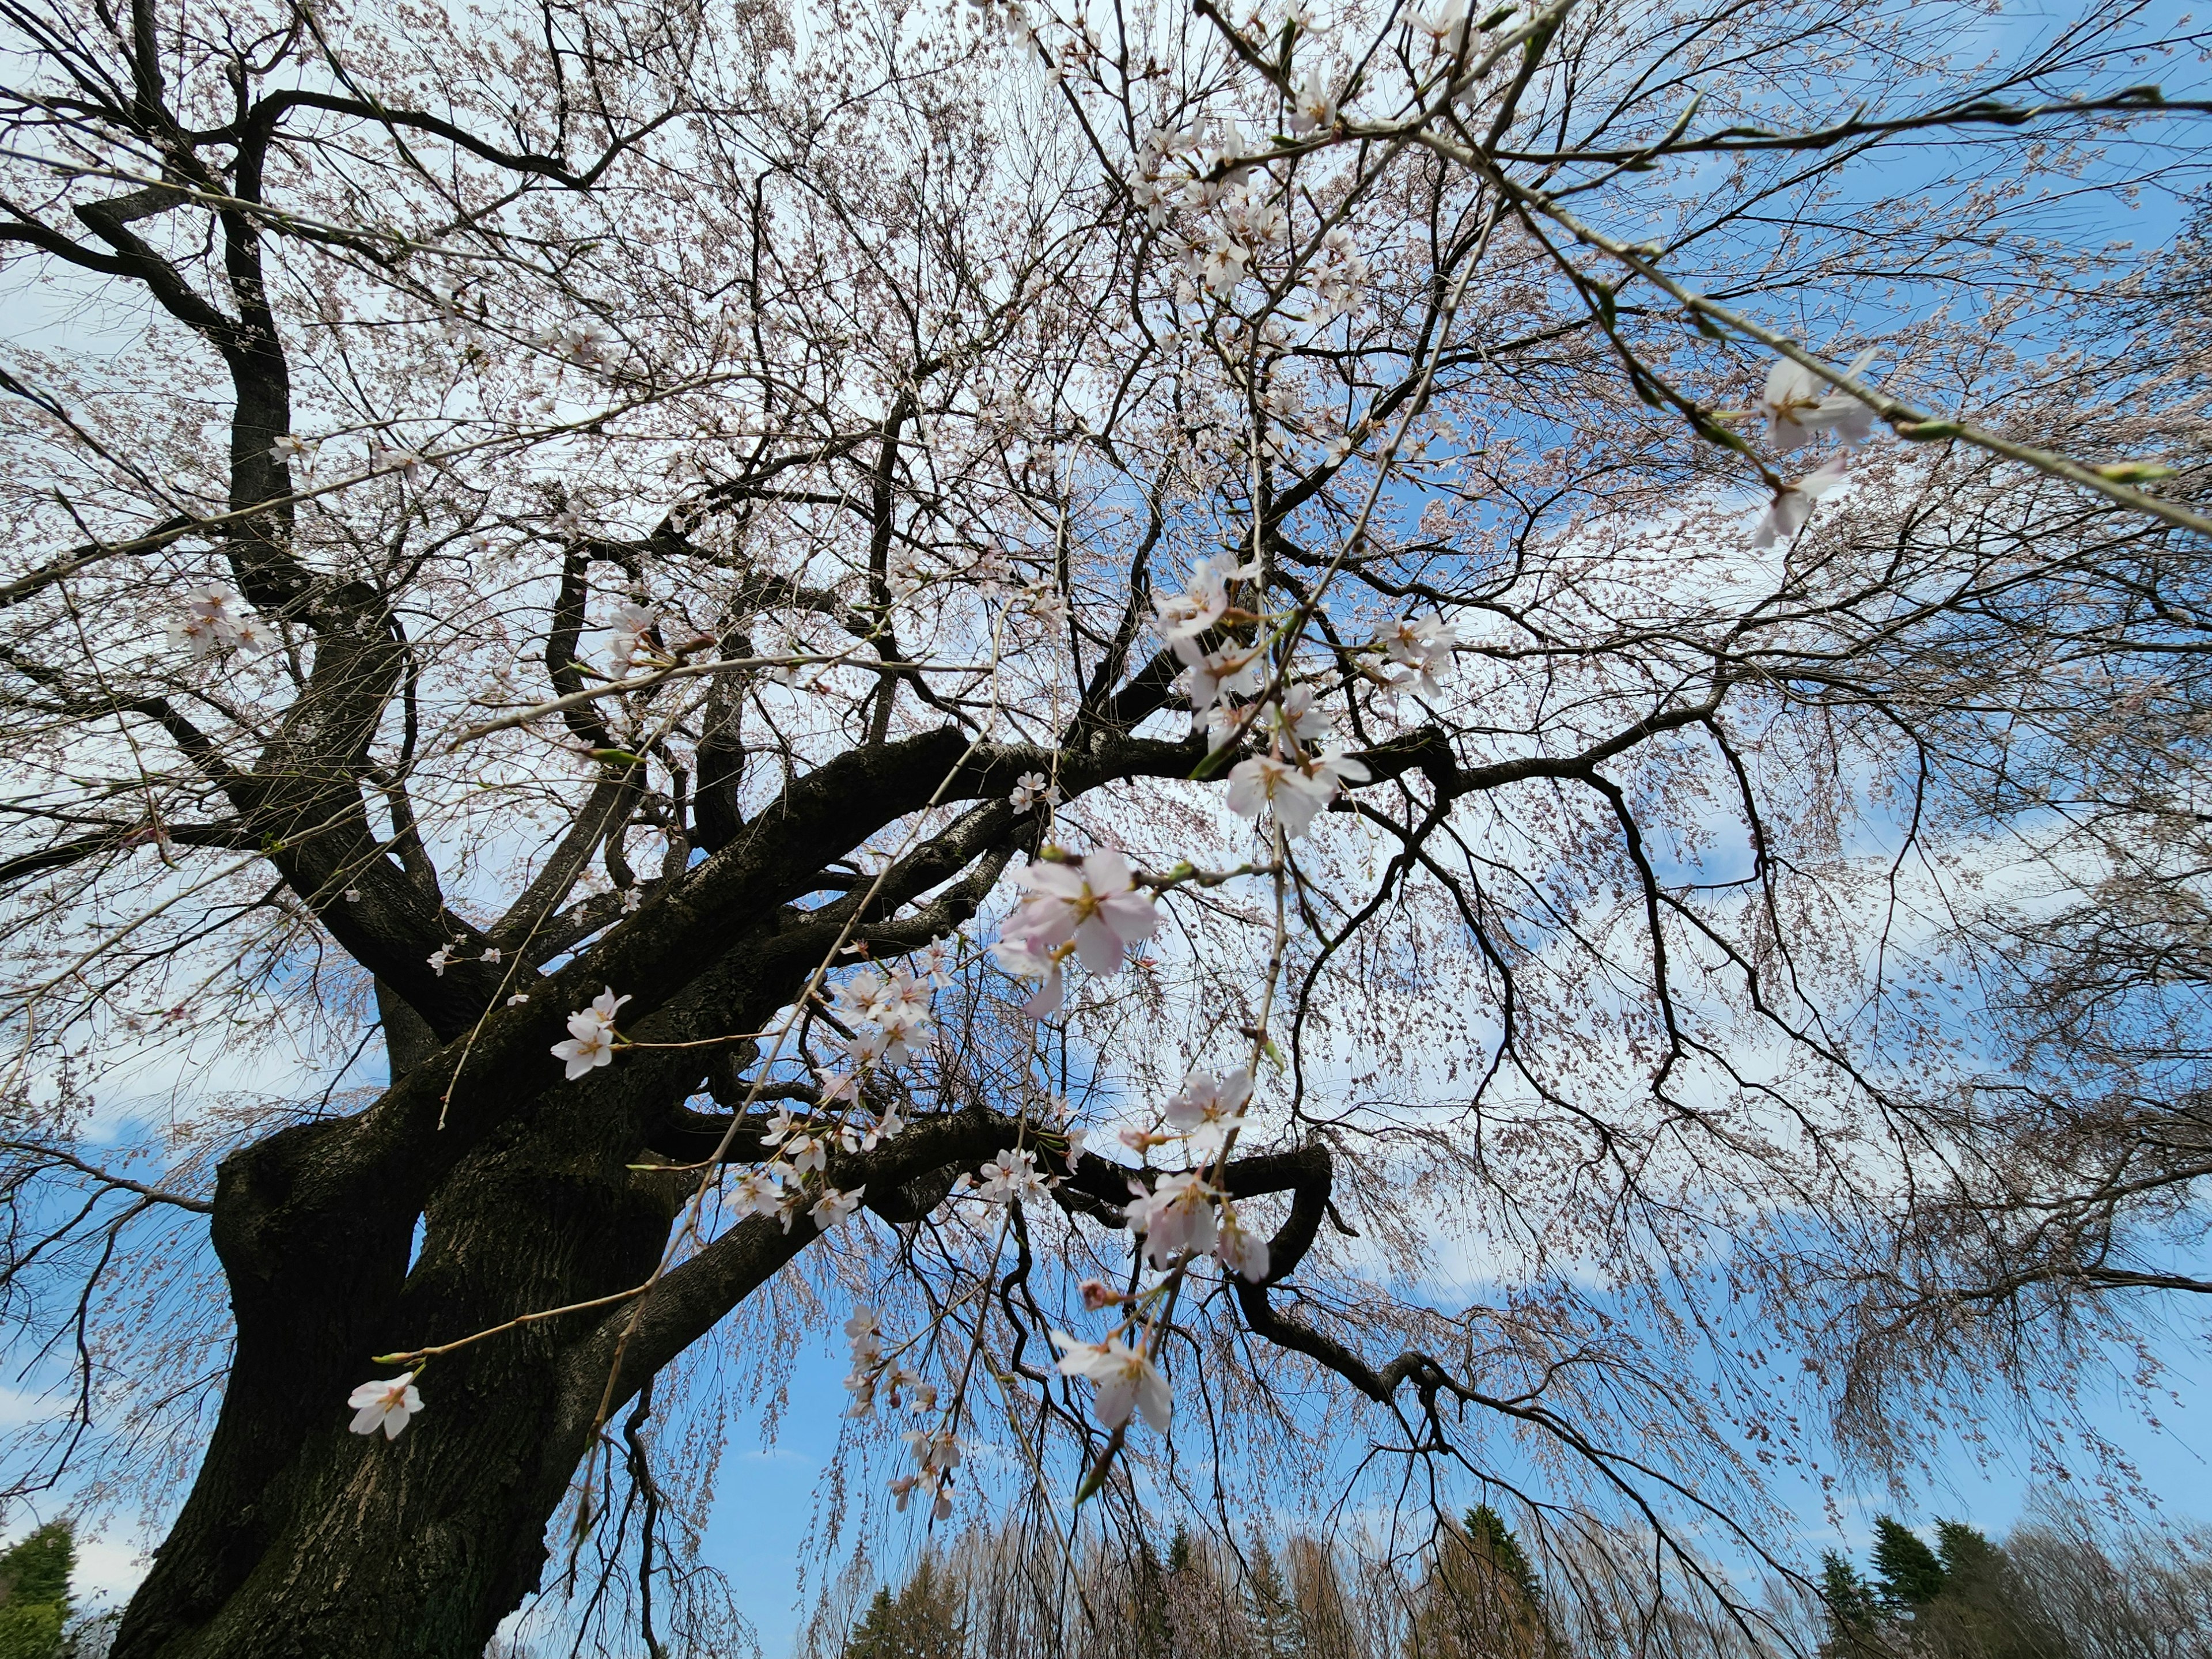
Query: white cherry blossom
(631, 624)
(1029, 789)
(1012, 1176)
(1424, 646)
(938, 959)
(1314, 107)
(1121, 1377)
(1241, 1251)
(757, 1194)
(588, 1045)
(1792, 505)
(208, 625)
(1186, 615)
(386, 1406)
(1024, 959)
(834, 1208)
(1176, 1216)
(1796, 407)
(1208, 1109)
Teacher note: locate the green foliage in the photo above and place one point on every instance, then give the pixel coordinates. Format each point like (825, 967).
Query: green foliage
(1487, 1531)
(922, 1621)
(1854, 1612)
(1965, 1553)
(1481, 1599)
(1911, 1575)
(1269, 1608)
(34, 1605)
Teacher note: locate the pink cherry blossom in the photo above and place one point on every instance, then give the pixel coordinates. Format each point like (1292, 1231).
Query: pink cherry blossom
(1095, 903)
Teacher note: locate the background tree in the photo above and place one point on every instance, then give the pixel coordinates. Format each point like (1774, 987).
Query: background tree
(34, 1593)
(922, 1621)
(614, 549)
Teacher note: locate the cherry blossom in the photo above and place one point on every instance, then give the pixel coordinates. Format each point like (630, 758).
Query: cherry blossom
(1208, 1109)
(590, 1035)
(1025, 959)
(1094, 902)
(1266, 780)
(1121, 1377)
(1187, 615)
(1176, 1216)
(1796, 407)
(1792, 506)
(385, 1406)
(1029, 789)
(834, 1208)
(631, 624)
(1425, 646)
(1011, 1177)
(1295, 717)
(1233, 671)
(1314, 107)
(1241, 1251)
(209, 626)
(1442, 20)
(589, 1044)
(757, 1194)
(938, 959)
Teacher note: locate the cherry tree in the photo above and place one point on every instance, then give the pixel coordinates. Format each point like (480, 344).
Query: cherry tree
(1116, 695)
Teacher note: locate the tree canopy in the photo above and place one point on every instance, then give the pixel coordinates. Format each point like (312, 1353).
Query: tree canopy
(1430, 745)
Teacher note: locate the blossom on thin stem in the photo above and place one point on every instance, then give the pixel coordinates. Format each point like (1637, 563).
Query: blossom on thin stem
(1792, 506)
(1424, 646)
(1187, 615)
(591, 1040)
(1121, 1378)
(385, 1406)
(1795, 408)
(1095, 903)
(1012, 1176)
(1031, 788)
(1208, 1109)
(1176, 1215)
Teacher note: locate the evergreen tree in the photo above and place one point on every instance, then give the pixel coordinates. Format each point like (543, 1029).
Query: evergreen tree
(1964, 1552)
(1912, 1576)
(1269, 1608)
(922, 1621)
(1179, 1549)
(872, 1637)
(1487, 1531)
(1854, 1612)
(34, 1602)
(1983, 1611)
(1154, 1632)
(1480, 1599)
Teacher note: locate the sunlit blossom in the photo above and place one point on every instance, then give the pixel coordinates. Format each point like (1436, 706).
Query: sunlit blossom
(385, 1406)
(1795, 406)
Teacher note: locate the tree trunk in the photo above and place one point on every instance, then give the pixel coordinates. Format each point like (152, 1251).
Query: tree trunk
(302, 1539)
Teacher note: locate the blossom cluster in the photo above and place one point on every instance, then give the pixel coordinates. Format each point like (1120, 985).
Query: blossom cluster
(210, 626)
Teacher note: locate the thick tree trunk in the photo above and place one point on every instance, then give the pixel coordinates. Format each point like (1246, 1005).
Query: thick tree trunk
(302, 1539)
